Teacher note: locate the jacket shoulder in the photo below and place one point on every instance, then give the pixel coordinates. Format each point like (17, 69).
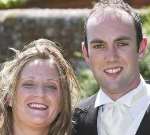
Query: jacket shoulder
(86, 103)
(84, 117)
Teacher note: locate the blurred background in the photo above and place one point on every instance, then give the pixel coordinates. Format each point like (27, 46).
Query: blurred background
(22, 21)
(62, 3)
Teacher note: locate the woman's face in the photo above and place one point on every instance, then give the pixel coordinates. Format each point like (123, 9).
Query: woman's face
(37, 101)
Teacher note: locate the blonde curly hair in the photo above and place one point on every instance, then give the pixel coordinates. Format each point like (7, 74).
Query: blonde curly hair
(43, 49)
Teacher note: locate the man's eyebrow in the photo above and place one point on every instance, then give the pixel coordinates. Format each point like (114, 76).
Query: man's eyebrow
(118, 39)
(97, 41)
(123, 38)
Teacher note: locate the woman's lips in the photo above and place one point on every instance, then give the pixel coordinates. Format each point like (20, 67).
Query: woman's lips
(37, 106)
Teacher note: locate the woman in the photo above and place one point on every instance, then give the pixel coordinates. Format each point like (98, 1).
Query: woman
(35, 91)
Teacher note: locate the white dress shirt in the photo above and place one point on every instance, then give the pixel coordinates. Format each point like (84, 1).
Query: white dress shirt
(138, 100)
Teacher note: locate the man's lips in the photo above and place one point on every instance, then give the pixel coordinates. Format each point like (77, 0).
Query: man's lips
(113, 71)
(37, 106)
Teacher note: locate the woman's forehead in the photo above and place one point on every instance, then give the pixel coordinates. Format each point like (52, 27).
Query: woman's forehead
(43, 67)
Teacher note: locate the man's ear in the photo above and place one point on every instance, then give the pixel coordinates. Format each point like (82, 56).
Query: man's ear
(85, 52)
(143, 47)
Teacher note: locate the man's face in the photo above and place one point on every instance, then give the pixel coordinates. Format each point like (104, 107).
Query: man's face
(112, 50)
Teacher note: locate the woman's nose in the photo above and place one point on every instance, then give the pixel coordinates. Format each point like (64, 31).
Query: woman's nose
(40, 91)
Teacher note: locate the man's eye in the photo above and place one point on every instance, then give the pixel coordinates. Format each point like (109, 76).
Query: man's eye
(122, 44)
(98, 45)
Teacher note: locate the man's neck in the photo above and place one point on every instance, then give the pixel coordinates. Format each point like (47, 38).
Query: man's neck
(116, 94)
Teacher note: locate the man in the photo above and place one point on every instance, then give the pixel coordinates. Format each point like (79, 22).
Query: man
(113, 46)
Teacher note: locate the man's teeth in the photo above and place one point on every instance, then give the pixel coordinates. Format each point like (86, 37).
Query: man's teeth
(113, 70)
(38, 106)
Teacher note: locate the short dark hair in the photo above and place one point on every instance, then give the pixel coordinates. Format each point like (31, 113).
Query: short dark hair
(118, 4)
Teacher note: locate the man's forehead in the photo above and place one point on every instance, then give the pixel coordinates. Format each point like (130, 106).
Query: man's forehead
(101, 15)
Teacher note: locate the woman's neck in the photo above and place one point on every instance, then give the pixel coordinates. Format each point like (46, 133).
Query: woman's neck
(24, 130)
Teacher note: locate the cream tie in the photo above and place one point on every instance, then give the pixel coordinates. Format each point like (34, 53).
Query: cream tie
(115, 119)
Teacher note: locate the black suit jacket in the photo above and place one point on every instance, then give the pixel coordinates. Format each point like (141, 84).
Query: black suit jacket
(85, 119)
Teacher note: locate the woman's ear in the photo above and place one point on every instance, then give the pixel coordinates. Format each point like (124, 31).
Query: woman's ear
(143, 47)
(9, 100)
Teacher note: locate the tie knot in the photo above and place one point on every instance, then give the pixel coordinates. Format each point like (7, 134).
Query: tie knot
(116, 106)
(118, 114)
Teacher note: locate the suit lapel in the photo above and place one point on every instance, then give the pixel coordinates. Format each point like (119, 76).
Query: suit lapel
(144, 128)
(91, 118)
(85, 118)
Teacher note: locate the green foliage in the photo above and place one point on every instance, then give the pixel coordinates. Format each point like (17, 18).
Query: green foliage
(11, 3)
(87, 83)
(145, 62)
(145, 67)
(145, 15)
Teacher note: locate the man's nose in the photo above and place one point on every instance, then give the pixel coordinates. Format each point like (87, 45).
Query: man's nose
(112, 54)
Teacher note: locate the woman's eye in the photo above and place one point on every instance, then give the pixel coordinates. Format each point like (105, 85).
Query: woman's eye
(51, 87)
(27, 85)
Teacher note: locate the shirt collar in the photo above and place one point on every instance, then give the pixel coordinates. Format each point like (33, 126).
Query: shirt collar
(129, 99)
